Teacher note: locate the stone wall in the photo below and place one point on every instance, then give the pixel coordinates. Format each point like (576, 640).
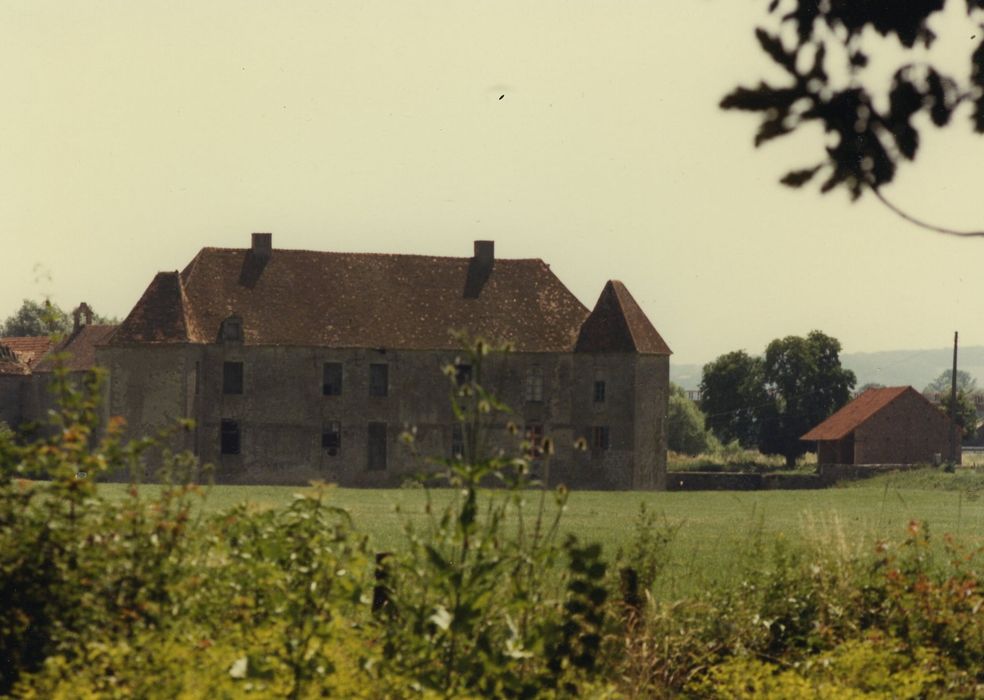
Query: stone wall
(11, 399)
(282, 410)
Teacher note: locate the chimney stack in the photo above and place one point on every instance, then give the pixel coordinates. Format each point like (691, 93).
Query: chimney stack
(484, 256)
(262, 245)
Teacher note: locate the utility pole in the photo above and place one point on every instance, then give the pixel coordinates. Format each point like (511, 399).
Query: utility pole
(953, 404)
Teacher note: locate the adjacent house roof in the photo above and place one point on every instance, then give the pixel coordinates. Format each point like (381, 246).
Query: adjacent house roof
(9, 364)
(847, 419)
(306, 298)
(79, 349)
(617, 324)
(22, 353)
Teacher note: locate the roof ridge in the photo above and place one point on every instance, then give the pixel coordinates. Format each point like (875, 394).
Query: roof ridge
(618, 287)
(221, 249)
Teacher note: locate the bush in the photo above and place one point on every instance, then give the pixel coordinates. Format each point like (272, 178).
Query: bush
(685, 429)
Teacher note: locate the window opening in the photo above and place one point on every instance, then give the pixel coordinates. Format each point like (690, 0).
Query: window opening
(230, 437)
(331, 438)
(378, 380)
(377, 446)
(232, 377)
(332, 379)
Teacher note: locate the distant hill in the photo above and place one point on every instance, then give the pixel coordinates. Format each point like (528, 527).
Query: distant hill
(889, 367)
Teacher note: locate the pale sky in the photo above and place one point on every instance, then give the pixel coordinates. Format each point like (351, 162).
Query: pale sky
(134, 133)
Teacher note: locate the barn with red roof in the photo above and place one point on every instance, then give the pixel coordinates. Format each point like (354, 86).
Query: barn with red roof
(890, 425)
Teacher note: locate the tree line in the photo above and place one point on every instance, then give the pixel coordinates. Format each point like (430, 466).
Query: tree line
(767, 402)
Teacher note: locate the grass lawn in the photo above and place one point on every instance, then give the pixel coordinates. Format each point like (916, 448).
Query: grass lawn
(714, 529)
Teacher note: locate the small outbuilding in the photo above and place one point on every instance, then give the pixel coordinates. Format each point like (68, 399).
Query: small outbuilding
(892, 425)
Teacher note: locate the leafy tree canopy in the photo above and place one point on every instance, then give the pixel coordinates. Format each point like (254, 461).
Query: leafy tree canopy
(823, 49)
(942, 384)
(42, 318)
(966, 414)
(770, 401)
(732, 390)
(36, 318)
(805, 378)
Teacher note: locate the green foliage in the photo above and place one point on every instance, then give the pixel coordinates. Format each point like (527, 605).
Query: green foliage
(685, 430)
(74, 568)
(943, 383)
(150, 595)
(732, 390)
(36, 318)
(476, 607)
(42, 318)
(772, 401)
(966, 413)
(805, 378)
(872, 124)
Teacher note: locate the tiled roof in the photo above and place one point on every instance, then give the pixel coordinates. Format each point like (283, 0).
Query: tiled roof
(617, 324)
(855, 413)
(79, 349)
(28, 349)
(160, 316)
(306, 298)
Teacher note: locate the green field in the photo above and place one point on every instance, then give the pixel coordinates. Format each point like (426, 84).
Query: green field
(713, 530)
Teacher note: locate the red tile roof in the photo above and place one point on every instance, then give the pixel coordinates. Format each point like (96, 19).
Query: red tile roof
(306, 298)
(28, 349)
(79, 349)
(617, 324)
(847, 419)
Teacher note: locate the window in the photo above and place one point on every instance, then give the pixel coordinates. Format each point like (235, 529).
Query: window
(232, 377)
(599, 391)
(457, 441)
(462, 374)
(533, 433)
(377, 446)
(229, 440)
(534, 384)
(600, 438)
(332, 380)
(378, 380)
(198, 378)
(232, 329)
(331, 438)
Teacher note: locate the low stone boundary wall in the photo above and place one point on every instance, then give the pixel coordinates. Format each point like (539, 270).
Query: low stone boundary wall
(829, 475)
(732, 481)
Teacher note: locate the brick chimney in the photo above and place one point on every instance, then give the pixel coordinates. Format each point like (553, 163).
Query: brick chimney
(484, 256)
(82, 310)
(479, 268)
(262, 245)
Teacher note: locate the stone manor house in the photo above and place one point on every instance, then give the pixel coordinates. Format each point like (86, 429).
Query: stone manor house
(299, 365)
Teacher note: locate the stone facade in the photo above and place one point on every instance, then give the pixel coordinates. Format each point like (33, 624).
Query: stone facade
(245, 342)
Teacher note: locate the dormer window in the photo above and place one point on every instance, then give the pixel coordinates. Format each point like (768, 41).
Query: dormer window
(231, 330)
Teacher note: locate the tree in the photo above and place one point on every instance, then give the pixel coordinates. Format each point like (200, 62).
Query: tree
(966, 414)
(871, 123)
(36, 318)
(943, 383)
(685, 429)
(805, 379)
(42, 318)
(732, 391)
(870, 385)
